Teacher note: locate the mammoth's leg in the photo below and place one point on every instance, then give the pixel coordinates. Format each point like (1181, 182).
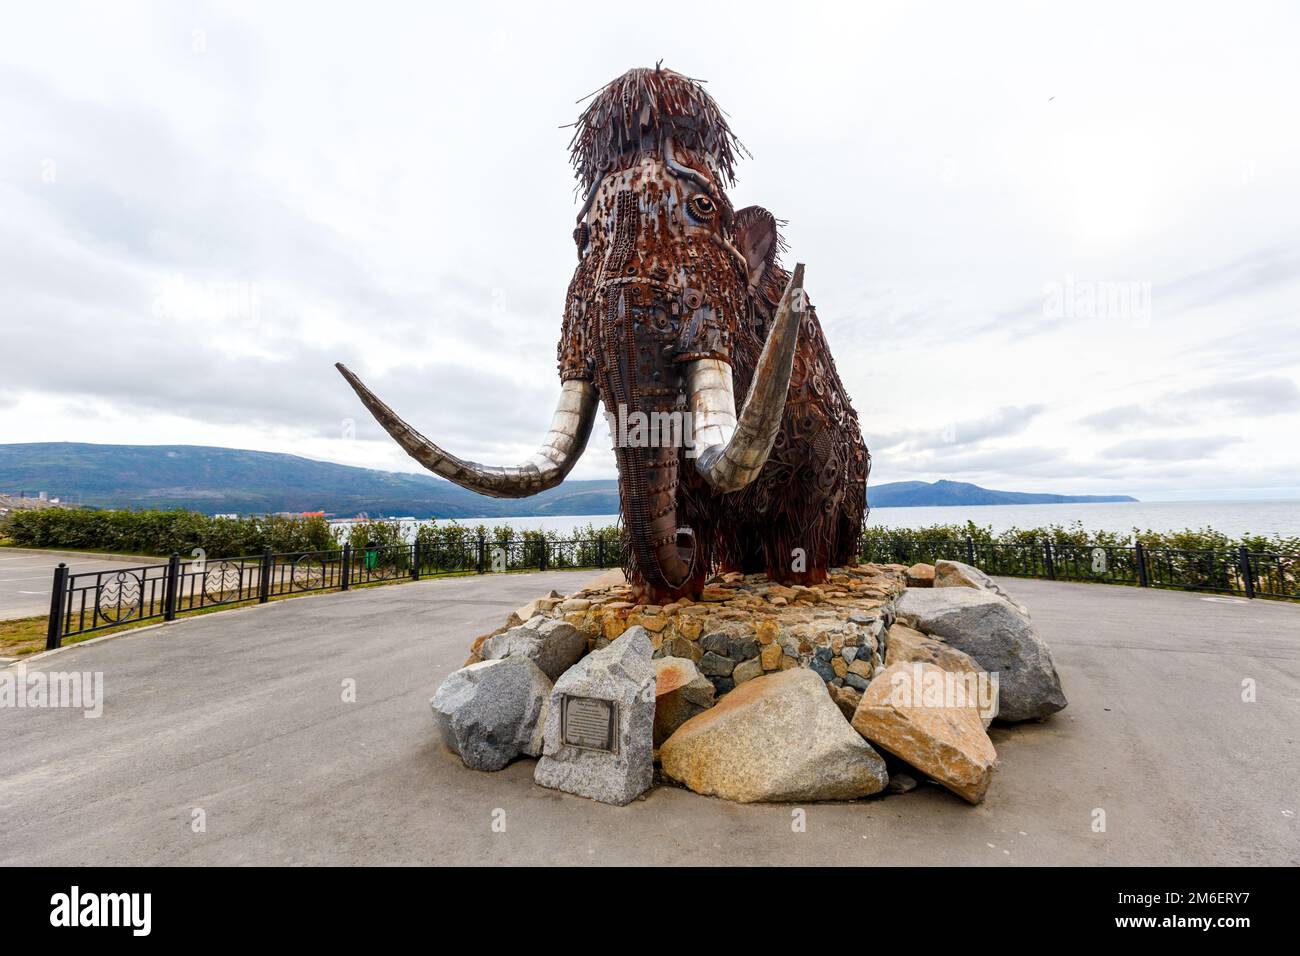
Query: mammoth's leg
(850, 517)
(797, 554)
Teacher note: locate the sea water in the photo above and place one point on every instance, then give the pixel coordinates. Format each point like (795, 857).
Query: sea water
(1233, 518)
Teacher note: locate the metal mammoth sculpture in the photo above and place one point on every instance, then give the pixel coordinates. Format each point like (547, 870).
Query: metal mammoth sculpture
(678, 305)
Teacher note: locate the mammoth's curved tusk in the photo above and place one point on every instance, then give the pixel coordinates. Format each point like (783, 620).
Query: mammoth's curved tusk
(570, 428)
(731, 453)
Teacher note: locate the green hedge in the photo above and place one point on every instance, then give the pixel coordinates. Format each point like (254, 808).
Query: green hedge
(162, 532)
(1078, 535)
(453, 534)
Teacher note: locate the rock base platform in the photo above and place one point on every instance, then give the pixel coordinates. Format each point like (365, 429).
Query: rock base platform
(723, 716)
(744, 625)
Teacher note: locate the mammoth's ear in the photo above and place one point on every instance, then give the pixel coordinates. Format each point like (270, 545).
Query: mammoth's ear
(757, 239)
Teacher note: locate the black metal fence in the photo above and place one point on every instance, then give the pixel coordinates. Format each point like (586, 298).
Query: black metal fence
(1232, 571)
(96, 600)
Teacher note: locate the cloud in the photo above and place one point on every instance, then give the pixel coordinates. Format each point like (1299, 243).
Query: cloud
(423, 238)
(1249, 398)
(1010, 420)
(94, 265)
(1132, 416)
(1267, 395)
(1263, 270)
(1171, 449)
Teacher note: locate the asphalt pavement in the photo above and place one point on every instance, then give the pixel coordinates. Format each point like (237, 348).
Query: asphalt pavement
(299, 732)
(26, 576)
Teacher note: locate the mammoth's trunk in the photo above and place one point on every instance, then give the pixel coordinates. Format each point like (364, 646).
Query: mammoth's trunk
(640, 391)
(658, 549)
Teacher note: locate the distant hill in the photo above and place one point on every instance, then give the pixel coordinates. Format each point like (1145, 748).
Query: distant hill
(908, 494)
(228, 480)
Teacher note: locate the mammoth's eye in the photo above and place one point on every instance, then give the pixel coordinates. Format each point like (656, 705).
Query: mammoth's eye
(701, 207)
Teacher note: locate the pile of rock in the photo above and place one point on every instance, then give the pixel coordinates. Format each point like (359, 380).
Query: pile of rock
(759, 691)
(743, 626)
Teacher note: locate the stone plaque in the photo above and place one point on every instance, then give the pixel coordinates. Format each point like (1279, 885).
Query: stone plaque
(589, 723)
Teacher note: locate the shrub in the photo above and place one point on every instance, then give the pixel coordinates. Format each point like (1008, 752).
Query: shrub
(162, 532)
(1076, 535)
(452, 545)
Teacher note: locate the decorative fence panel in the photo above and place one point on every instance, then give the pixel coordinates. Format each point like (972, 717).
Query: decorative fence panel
(1231, 571)
(96, 600)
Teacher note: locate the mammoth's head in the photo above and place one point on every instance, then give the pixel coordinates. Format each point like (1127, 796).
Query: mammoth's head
(653, 156)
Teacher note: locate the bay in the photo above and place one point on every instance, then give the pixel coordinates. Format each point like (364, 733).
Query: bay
(1233, 518)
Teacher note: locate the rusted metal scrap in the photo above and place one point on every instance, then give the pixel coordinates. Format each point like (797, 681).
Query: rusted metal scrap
(678, 304)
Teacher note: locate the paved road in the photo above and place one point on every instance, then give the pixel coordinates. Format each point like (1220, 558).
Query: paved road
(240, 714)
(25, 576)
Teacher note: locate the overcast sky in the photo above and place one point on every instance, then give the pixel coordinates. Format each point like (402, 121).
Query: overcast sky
(1054, 247)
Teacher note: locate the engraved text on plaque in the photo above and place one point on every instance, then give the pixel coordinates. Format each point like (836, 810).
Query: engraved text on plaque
(589, 722)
